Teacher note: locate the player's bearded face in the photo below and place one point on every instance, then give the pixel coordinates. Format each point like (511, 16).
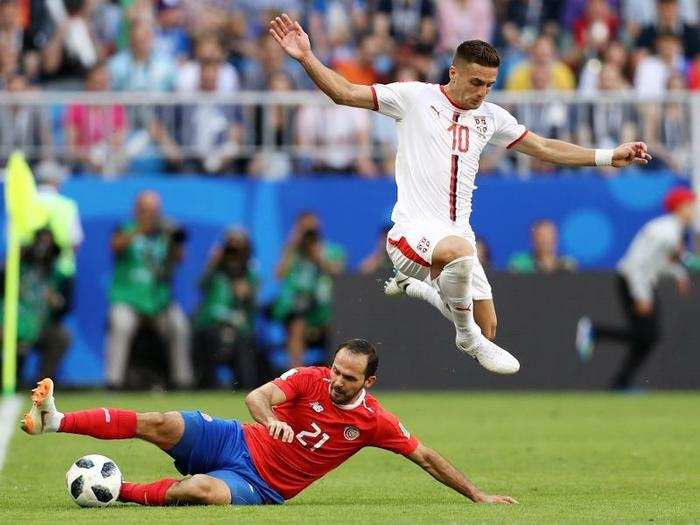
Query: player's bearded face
(347, 377)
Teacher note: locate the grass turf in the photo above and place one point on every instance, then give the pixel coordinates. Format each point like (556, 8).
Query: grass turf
(590, 458)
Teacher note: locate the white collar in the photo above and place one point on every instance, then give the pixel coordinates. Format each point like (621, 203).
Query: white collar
(360, 399)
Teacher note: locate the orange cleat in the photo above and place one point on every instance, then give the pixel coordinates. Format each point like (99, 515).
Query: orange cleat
(40, 417)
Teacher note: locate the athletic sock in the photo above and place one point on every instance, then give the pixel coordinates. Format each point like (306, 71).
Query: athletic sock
(455, 283)
(423, 290)
(101, 423)
(151, 494)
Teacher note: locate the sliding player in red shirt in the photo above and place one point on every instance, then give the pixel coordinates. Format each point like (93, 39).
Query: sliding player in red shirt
(309, 421)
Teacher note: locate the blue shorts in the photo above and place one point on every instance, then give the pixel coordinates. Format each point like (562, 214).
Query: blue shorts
(216, 447)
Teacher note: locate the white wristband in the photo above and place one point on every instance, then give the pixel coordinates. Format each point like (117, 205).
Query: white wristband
(604, 157)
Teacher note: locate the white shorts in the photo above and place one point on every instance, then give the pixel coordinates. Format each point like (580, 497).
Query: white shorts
(410, 249)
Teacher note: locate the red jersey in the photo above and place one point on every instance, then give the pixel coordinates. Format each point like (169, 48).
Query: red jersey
(326, 434)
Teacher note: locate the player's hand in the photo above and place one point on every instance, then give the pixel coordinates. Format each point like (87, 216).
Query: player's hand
(290, 36)
(630, 153)
(501, 500)
(643, 308)
(280, 430)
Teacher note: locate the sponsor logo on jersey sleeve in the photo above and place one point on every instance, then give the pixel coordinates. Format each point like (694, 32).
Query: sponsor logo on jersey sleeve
(351, 433)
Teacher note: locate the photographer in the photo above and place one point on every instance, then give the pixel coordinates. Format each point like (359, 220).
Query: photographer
(223, 324)
(44, 297)
(146, 252)
(304, 303)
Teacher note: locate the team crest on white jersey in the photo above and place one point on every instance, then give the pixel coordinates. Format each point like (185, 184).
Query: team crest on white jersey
(317, 407)
(351, 433)
(423, 245)
(480, 122)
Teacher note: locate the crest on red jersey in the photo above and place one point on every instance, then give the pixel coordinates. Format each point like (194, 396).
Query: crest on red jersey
(351, 433)
(317, 407)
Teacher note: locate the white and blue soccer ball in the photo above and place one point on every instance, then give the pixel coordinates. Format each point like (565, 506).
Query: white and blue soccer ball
(94, 481)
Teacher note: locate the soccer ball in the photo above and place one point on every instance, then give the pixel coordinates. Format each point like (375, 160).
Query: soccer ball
(94, 481)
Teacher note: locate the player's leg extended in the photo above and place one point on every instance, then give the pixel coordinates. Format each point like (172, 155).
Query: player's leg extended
(454, 264)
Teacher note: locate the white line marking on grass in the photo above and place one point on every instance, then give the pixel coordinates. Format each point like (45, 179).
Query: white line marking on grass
(9, 410)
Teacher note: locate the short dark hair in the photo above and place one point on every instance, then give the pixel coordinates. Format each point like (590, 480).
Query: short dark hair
(478, 52)
(362, 347)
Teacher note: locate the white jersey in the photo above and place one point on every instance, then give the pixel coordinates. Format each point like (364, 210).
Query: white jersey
(439, 145)
(651, 255)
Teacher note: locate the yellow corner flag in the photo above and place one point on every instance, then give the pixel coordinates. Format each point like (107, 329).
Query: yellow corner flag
(24, 216)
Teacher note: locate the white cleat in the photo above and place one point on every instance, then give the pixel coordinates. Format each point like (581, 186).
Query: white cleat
(491, 356)
(397, 284)
(43, 416)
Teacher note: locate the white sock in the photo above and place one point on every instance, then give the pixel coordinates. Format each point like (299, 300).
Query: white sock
(53, 423)
(425, 291)
(455, 283)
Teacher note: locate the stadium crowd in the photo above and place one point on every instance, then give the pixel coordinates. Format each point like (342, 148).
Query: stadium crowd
(651, 47)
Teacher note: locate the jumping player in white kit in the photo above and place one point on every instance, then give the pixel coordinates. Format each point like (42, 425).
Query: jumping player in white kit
(442, 131)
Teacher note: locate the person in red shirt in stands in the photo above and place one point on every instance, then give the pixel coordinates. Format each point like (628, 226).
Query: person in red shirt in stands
(308, 421)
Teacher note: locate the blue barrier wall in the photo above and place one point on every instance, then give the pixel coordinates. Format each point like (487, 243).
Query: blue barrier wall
(597, 217)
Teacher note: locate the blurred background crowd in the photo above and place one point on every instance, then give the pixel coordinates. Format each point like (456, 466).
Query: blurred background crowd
(584, 49)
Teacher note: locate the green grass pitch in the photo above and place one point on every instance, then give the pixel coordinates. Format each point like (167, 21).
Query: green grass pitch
(568, 458)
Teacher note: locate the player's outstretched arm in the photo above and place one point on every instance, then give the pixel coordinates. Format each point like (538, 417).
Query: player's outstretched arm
(567, 154)
(260, 402)
(443, 471)
(292, 38)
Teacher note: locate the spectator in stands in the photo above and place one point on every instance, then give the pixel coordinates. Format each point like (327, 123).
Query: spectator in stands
(171, 37)
(71, 49)
(95, 134)
(358, 68)
(544, 257)
(543, 67)
(211, 132)
(668, 131)
(274, 163)
(378, 260)
(140, 67)
(406, 21)
(146, 252)
(44, 296)
(340, 138)
(208, 51)
(605, 124)
(460, 20)
(669, 21)
(16, 51)
(305, 300)
(638, 14)
(223, 324)
(653, 72)
(616, 57)
(9, 63)
(24, 127)
(271, 59)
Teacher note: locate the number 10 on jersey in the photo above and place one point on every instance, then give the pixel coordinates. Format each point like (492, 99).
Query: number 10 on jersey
(460, 137)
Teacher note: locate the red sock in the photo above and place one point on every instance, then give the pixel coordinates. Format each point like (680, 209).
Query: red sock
(102, 423)
(152, 494)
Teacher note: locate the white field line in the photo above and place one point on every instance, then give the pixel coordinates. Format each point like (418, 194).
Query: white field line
(9, 411)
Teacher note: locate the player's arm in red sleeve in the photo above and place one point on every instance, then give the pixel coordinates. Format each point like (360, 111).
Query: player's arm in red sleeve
(446, 473)
(261, 400)
(567, 154)
(295, 42)
(392, 435)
